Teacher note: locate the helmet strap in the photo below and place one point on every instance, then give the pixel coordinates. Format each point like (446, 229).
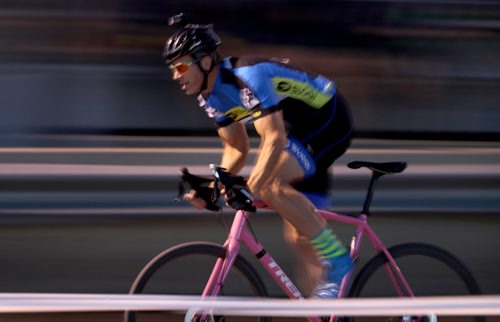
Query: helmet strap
(205, 74)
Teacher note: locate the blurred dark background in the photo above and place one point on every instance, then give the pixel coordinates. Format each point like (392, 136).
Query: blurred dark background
(421, 68)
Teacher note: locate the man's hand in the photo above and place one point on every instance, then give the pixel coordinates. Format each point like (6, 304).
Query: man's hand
(201, 191)
(194, 200)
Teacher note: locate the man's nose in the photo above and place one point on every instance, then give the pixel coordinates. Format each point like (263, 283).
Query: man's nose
(175, 74)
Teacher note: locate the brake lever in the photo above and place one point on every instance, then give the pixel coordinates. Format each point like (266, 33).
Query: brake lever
(225, 177)
(216, 193)
(230, 182)
(217, 180)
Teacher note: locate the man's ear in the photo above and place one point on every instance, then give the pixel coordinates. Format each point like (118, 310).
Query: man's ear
(206, 63)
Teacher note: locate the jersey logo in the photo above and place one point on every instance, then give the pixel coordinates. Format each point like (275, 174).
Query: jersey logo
(248, 98)
(301, 91)
(237, 113)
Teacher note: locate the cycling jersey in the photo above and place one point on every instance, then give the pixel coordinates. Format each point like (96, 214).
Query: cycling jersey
(245, 93)
(318, 123)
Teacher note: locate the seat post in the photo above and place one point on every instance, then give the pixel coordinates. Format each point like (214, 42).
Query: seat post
(369, 193)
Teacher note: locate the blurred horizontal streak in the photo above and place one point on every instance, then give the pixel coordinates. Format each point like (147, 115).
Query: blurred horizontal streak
(201, 150)
(30, 215)
(9, 169)
(103, 71)
(27, 169)
(66, 14)
(108, 150)
(142, 211)
(481, 24)
(102, 175)
(465, 2)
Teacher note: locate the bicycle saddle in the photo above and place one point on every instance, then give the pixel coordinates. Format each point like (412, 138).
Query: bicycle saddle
(380, 167)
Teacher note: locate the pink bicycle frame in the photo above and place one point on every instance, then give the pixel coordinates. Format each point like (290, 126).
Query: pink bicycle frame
(240, 234)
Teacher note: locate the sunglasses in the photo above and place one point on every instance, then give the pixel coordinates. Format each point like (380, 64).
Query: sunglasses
(181, 67)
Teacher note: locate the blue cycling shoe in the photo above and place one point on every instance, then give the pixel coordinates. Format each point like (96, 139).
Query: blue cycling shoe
(334, 271)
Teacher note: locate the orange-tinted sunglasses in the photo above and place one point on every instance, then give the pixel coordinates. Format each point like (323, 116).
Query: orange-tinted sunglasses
(181, 67)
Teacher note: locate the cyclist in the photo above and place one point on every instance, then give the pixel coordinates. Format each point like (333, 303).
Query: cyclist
(303, 124)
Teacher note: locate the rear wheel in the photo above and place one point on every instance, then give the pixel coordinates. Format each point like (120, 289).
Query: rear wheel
(429, 270)
(184, 270)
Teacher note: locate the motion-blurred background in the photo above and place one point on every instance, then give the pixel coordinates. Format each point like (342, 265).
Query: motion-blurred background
(406, 66)
(81, 78)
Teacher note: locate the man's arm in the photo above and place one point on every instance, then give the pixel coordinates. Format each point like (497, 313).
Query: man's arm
(271, 130)
(236, 147)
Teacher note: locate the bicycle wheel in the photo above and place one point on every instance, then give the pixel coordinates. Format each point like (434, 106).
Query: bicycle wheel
(184, 270)
(430, 271)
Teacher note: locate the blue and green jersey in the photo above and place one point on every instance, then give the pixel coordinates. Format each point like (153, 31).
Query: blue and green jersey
(248, 90)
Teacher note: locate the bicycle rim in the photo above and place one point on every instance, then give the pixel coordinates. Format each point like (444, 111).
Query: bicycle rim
(184, 270)
(430, 271)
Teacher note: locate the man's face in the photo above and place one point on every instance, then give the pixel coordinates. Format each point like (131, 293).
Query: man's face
(188, 74)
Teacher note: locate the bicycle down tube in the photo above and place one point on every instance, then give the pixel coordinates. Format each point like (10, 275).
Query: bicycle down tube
(239, 234)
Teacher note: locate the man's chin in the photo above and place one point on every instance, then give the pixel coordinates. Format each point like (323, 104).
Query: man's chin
(189, 92)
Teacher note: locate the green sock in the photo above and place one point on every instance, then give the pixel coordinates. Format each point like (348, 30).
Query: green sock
(327, 245)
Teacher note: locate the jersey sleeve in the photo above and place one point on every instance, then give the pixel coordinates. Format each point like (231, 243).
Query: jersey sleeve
(258, 78)
(272, 82)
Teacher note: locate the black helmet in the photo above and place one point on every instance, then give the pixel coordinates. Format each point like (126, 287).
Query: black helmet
(194, 40)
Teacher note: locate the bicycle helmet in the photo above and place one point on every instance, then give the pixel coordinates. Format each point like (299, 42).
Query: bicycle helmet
(192, 39)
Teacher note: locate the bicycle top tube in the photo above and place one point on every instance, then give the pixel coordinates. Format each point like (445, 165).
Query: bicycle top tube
(319, 200)
(329, 215)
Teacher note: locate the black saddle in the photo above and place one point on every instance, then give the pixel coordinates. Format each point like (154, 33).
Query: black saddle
(380, 167)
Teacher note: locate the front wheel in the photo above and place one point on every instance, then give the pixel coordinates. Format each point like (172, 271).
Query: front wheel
(184, 270)
(429, 270)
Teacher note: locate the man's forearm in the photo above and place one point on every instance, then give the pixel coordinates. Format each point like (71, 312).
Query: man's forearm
(236, 147)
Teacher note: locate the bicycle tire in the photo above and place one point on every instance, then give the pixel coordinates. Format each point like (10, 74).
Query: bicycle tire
(192, 249)
(398, 252)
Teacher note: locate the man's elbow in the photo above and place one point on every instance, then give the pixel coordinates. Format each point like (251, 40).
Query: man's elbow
(243, 151)
(242, 145)
(239, 151)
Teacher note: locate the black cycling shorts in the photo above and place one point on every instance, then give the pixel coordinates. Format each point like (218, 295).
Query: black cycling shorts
(320, 138)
